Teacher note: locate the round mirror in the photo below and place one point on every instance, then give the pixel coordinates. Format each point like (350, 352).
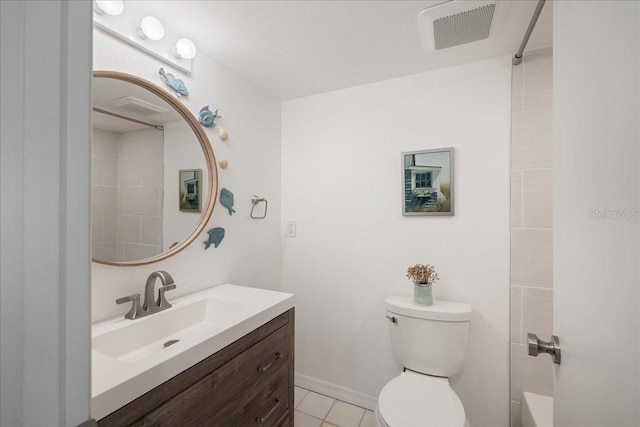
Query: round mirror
(154, 175)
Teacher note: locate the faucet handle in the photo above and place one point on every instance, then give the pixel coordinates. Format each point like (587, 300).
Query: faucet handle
(162, 302)
(136, 310)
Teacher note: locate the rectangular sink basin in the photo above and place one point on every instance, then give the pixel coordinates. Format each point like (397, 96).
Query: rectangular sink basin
(187, 323)
(131, 357)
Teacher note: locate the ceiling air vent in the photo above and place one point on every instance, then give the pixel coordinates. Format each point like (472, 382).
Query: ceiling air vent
(465, 27)
(457, 22)
(137, 106)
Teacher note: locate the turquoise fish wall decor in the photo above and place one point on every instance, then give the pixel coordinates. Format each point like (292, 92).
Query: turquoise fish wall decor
(207, 118)
(226, 199)
(174, 83)
(215, 237)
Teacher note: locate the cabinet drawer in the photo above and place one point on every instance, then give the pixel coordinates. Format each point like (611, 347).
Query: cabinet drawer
(252, 387)
(253, 369)
(259, 405)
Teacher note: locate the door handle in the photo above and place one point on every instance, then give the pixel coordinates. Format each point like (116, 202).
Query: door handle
(537, 346)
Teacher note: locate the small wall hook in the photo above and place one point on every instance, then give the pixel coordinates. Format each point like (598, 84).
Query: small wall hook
(256, 200)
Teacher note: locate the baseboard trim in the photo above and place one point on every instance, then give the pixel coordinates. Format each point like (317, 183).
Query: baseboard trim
(337, 392)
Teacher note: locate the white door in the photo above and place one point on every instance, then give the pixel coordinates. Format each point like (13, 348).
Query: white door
(596, 206)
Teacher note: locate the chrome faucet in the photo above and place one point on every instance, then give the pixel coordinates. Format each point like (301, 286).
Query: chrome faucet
(151, 304)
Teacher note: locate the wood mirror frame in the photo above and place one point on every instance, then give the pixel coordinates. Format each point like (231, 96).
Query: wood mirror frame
(212, 170)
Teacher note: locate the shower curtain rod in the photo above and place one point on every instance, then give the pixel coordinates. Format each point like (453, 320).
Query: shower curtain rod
(109, 113)
(517, 58)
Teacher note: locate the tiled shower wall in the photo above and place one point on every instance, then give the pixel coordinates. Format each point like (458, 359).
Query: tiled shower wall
(127, 173)
(140, 192)
(104, 193)
(531, 225)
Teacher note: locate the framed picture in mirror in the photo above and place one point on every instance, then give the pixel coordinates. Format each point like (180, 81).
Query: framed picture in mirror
(189, 188)
(427, 182)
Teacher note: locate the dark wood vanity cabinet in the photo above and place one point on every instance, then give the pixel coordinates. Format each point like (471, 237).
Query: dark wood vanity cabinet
(247, 383)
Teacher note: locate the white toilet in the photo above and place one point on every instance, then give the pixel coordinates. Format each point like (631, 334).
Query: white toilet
(431, 344)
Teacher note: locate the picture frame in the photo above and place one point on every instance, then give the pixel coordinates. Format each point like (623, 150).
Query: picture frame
(427, 182)
(189, 190)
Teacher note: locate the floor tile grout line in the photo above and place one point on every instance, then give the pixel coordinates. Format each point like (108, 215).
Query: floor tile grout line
(311, 416)
(305, 395)
(324, 420)
(322, 394)
(329, 411)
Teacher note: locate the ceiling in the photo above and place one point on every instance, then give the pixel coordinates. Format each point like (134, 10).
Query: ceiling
(117, 96)
(293, 49)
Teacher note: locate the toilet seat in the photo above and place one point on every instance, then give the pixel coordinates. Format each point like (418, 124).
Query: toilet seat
(417, 400)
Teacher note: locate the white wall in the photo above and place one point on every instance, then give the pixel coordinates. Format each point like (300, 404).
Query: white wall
(341, 181)
(44, 259)
(596, 102)
(250, 252)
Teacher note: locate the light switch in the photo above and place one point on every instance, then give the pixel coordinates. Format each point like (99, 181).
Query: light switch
(291, 228)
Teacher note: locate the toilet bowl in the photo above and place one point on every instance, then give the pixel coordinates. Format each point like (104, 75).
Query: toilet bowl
(417, 400)
(430, 342)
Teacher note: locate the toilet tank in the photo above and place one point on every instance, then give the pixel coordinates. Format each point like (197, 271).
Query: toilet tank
(429, 339)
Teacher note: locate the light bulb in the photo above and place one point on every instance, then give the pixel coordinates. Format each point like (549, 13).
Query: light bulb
(185, 48)
(108, 7)
(150, 28)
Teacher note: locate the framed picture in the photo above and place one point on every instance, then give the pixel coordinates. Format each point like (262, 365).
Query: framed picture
(190, 191)
(427, 186)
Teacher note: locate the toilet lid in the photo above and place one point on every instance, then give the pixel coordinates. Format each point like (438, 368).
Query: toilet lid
(417, 400)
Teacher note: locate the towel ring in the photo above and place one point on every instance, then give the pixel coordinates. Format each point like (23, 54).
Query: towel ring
(255, 200)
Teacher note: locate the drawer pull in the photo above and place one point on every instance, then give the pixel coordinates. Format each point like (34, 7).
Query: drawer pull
(264, 368)
(264, 419)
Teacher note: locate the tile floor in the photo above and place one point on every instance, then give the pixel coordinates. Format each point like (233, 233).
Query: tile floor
(316, 410)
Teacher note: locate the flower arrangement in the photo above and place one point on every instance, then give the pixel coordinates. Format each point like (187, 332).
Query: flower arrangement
(422, 274)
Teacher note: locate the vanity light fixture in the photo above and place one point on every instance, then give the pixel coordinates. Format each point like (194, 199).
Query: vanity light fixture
(150, 28)
(185, 49)
(108, 7)
(145, 32)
